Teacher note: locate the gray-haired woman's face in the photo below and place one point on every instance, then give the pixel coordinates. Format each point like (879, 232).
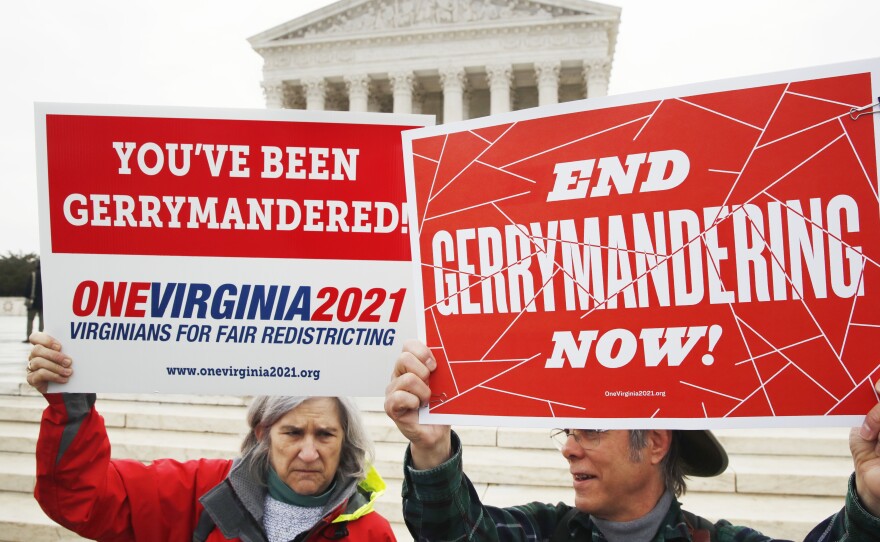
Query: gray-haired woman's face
(306, 445)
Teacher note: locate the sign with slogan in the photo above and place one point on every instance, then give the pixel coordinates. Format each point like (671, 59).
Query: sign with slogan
(703, 256)
(225, 251)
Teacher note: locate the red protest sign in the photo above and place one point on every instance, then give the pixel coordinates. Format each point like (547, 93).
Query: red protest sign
(668, 258)
(225, 187)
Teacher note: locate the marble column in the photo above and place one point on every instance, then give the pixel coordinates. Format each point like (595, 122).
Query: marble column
(418, 99)
(453, 80)
(358, 92)
(547, 74)
(402, 90)
(597, 78)
(294, 98)
(500, 78)
(315, 89)
(274, 93)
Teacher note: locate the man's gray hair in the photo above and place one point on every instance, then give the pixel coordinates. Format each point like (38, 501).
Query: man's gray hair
(673, 474)
(265, 410)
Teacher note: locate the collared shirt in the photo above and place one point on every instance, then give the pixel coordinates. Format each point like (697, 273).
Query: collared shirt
(441, 505)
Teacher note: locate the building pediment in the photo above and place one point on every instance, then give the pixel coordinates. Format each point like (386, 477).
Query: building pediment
(347, 19)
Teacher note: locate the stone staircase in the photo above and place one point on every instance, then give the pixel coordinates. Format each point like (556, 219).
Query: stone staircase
(781, 482)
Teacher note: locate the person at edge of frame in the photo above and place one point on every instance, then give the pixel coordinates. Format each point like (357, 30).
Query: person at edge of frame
(626, 482)
(33, 301)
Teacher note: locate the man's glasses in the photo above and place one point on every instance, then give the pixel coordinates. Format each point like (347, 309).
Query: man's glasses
(588, 439)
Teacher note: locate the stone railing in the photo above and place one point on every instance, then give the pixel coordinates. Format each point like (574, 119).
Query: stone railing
(12, 306)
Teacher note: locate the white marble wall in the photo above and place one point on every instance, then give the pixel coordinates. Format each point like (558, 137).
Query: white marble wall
(12, 306)
(451, 93)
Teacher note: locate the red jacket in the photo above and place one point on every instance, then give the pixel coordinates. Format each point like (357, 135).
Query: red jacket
(81, 488)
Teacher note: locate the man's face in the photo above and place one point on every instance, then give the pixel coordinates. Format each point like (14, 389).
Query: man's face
(608, 483)
(306, 444)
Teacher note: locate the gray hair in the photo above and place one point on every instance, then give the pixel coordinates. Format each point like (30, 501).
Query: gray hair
(673, 473)
(265, 410)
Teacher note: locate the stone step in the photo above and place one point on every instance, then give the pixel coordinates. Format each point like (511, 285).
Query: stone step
(782, 516)
(17, 472)
(768, 474)
(390, 504)
(136, 411)
(216, 419)
(141, 444)
(13, 385)
(146, 415)
(230, 419)
(787, 516)
(146, 430)
(816, 441)
(791, 475)
(22, 520)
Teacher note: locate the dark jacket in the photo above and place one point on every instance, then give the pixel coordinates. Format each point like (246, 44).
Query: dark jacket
(441, 505)
(34, 291)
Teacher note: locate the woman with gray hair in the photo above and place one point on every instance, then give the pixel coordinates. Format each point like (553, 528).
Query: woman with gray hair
(304, 473)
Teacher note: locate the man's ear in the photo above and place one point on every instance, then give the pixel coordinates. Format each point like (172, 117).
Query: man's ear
(258, 431)
(659, 441)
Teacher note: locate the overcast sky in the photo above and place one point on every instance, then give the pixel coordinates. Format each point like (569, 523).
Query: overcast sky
(195, 53)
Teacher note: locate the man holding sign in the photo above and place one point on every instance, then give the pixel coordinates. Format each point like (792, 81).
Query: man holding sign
(671, 257)
(625, 482)
(671, 260)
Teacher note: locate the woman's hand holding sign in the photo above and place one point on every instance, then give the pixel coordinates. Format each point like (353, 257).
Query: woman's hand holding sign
(430, 445)
(46, 363)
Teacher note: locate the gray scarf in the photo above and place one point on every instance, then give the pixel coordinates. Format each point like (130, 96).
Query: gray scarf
(643, 528)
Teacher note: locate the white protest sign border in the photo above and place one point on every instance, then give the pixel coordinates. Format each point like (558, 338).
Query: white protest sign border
(224, 251)
(702, 256)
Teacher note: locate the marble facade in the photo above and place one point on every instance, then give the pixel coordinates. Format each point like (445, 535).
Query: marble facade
(456, 59)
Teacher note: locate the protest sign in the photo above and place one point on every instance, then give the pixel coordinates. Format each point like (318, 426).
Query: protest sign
(703, 256)
(224, 251)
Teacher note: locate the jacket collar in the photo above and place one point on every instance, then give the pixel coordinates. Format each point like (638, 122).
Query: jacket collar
(236, 504)
(673, 527)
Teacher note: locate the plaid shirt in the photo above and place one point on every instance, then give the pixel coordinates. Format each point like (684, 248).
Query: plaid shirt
(441, 505)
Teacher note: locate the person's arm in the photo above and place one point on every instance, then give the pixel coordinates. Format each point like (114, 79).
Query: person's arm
(81, 488)
(439, 502)
(47, 363)
(852, 523)
(75, 484)
(861, 518)
(865, 447)
(409, 389)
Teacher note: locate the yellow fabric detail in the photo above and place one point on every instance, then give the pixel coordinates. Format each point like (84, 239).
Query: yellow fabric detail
(375, 486)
